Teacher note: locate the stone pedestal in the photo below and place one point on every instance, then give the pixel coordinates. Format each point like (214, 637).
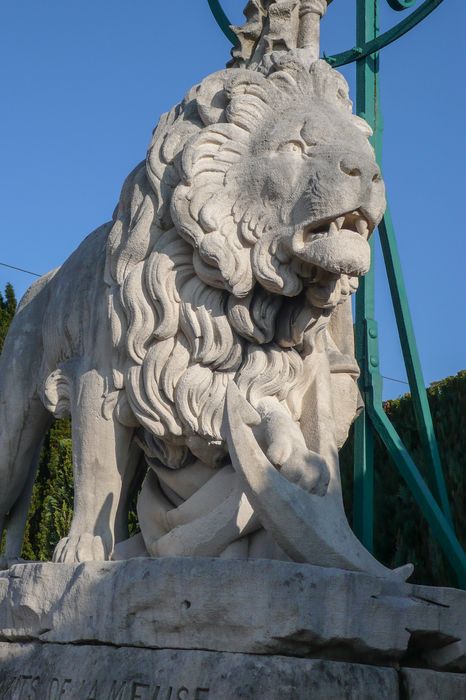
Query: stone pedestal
(215, 629)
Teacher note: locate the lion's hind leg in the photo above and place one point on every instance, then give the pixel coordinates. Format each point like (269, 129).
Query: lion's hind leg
(23, 424)
(15, 521)
(19, 456)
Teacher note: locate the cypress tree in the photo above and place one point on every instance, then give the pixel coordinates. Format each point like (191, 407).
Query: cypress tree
(51, 507)
(7, 311)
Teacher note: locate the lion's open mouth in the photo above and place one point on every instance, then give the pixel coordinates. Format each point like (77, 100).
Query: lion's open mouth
(338, 245)
(353, 222)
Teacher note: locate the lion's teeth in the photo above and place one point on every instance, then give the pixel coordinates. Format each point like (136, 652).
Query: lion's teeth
(362, 227)
(333, 229)
(339, 222)
(353, 283)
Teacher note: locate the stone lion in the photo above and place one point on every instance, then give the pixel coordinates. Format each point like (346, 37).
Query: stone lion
(227, 268)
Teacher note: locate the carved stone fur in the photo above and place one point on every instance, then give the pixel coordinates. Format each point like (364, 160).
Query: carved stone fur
(198, 258)
(230, 258)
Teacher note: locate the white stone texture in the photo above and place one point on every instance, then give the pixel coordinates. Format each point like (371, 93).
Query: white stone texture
(270, 26)
(420, 684)
(229, 262)
(228, 267)
(50, 672)
(265, 607)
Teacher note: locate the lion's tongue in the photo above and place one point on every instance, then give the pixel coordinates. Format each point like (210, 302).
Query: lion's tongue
(343, 252)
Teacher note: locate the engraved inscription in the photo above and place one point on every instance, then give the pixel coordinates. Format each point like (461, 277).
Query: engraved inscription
(36, 687)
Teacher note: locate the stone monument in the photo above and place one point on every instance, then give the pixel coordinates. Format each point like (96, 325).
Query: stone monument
(202, 344)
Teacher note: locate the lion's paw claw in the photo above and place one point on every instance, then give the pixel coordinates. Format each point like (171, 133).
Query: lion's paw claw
(308, 471)
(77, 548)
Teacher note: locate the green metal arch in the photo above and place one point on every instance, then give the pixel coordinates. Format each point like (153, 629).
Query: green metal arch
(388, 37)
(341, 59)
(400, 5)
(222, 20)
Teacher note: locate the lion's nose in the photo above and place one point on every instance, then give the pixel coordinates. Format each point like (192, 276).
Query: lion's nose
(354, 166)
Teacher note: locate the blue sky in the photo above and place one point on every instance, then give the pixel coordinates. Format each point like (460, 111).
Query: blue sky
(84, 82)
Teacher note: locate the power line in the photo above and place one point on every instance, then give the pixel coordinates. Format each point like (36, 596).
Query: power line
(20, 269)
(391, 379)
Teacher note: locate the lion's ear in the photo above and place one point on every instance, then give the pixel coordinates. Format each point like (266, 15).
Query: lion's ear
(240, 97)
(208, 156)
(211, 98)
(250, 96)
(329, 84)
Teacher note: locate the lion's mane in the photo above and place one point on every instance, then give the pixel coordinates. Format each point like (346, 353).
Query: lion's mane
(199, 292)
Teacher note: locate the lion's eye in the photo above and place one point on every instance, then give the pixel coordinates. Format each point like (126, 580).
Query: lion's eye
(292, 147)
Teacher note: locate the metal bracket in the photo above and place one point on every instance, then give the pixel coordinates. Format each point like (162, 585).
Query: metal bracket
(367, 48)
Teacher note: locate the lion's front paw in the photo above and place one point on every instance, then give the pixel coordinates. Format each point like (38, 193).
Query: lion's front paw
(8, 562)
(280, 449)
(85, 547)
(307, 470)
(284, 446)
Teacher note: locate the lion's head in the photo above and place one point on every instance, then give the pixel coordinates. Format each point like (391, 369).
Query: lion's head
(283, 183)
(233, 242)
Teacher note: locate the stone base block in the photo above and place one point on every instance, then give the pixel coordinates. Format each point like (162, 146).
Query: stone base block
(419, 684)
(66, 672)
(214, 629)
(87, 672)
(254, 607)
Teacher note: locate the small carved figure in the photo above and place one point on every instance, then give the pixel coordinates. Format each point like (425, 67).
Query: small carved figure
(205, 333)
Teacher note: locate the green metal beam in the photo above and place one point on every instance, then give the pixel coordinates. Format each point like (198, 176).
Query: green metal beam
(367, 69)
(378, 423)
(363, 481)
(413, 365)
(373, 419)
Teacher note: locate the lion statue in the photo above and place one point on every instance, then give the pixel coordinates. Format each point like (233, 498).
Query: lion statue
(202, 340)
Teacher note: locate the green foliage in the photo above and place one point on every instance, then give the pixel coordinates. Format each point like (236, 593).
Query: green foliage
(401, 533)
(52, 498)
(7, 311)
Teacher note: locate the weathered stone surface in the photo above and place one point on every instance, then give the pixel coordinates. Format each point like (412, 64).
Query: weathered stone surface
(420, 684)
(229, 262)
(50, 672)
(261, 606)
